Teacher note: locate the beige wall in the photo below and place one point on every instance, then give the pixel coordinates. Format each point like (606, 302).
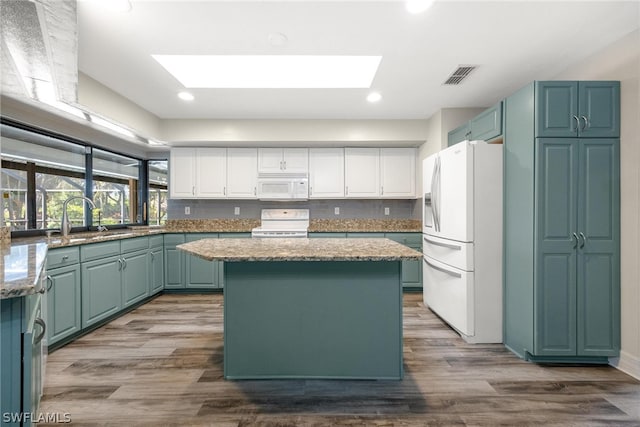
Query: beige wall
(621, 61)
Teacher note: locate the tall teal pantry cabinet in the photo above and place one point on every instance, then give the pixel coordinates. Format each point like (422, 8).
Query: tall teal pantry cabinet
(562, 221)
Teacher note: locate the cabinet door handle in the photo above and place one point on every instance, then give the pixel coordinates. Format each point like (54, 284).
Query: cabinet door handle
(577, 123)
(584, 239)
(310, 191)
(224, 191)
(49, 283)
(193, 190)
(575, 236)
(347, 190)
(285, 165)
(43, 325)
(153, 257)
(119, 264)
(382, 191)
(586, 122)
(255, 191)
(124, 260)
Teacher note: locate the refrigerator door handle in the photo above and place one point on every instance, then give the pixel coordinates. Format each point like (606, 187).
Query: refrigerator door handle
(444, 245)
(444, 270)
(435, 184)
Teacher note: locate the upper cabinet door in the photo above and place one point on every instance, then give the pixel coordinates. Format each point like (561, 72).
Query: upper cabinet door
(557, 109)
(599, 109)
(279, 160)
(488, 124)
(211, 172)
(242, 167)
(459, 134)
(326, 173)
(270, 160)
(398, 172)
(296, 160)
(362, 172)
(182, 173)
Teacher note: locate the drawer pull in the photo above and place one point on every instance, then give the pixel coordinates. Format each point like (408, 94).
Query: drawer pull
(444, 245)
(444, 270)
(65, 257)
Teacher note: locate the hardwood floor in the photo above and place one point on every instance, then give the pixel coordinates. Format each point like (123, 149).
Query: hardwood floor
(162, 365)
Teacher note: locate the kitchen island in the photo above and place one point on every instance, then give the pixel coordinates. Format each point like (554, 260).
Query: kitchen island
(310, 308)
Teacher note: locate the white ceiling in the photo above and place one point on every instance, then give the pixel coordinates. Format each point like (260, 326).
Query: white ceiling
(512, 42)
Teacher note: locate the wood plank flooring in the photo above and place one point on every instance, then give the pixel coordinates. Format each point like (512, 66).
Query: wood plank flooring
(162, 365)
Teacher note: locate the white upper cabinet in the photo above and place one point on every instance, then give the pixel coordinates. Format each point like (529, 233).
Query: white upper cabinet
(198, 173)
(279, 160)
(182, 173)
(397, 172)
(326, 173)
(242, 164)
(362, 172)
(211, 173)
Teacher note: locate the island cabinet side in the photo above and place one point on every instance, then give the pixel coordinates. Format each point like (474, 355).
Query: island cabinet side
(313, 319)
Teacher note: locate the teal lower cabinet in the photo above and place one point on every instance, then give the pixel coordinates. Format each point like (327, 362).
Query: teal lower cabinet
(174, 262)
(325, 235)
(101, 289)
(135, 277)
(63, 303)
(22, 331)
(411, 270)
(200, 273)
(156, 270)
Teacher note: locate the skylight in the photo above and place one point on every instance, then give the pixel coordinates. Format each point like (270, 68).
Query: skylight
(271, 71)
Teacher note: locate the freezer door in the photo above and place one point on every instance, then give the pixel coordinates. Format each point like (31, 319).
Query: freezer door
(450, 252)
(454, 199)
(448, 291)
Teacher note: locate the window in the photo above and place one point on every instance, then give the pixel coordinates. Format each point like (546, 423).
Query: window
(158, 194)
(115, 188)
(39, 172)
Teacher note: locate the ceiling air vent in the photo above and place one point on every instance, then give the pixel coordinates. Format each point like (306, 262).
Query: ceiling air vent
(460, 74)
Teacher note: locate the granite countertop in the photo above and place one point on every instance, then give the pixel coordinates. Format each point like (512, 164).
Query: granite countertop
(300, 249)
(20, 266)
(24, 258)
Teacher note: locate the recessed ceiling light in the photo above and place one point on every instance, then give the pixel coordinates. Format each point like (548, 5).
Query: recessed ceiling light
(418, 6)
(271, 71)
(374, 97)
(185, 96)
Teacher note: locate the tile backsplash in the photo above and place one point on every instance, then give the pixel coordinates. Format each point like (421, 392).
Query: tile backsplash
(320, 209)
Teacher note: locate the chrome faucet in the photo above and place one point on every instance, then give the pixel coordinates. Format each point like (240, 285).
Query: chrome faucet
(65, 225)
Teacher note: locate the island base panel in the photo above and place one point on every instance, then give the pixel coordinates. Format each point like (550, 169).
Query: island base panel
(340, 320)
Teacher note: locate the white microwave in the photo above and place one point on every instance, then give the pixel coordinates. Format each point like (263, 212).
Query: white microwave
(283, 187)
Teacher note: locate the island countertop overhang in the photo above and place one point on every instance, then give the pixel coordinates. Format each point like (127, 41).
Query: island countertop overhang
(300, 249)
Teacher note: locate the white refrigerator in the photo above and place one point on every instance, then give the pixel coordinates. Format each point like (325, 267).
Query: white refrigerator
(462, 239)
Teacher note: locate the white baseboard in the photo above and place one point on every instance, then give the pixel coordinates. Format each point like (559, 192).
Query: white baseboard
(627, 363)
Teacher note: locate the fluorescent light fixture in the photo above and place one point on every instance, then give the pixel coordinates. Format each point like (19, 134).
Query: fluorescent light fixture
(271, 71)
(185, 96)
(374, 97)
(111, 126)
(418, 6)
